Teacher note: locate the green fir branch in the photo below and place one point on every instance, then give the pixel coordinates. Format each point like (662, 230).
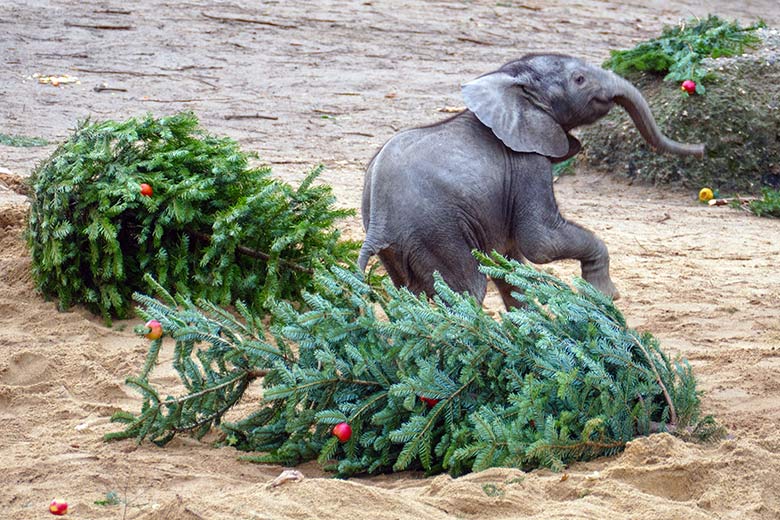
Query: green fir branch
(437, 384)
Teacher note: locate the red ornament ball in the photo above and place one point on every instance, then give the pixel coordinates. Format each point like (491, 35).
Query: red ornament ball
(146, 190)
(689, 86)
(58, 507)
(342, 431)
(431, 402)
(156, 329)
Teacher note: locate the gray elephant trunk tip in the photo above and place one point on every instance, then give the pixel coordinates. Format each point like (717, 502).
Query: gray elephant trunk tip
(669, 146)
(636, 106)
(697, 150)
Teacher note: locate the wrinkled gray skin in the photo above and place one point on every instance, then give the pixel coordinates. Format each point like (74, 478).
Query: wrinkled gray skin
(483, 178)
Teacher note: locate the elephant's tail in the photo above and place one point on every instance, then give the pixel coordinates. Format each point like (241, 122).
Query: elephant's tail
(369, 249)
(365, 253)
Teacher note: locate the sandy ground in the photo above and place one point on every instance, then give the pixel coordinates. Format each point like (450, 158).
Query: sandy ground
(333, 80)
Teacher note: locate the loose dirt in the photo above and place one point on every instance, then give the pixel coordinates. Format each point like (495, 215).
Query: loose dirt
(303, 83)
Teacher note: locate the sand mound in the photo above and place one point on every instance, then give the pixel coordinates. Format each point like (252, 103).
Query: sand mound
(14, 260)
(173, 510)
(14, 183)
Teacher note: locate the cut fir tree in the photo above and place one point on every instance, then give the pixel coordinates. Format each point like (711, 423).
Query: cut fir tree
(119, 200)
(559, 380)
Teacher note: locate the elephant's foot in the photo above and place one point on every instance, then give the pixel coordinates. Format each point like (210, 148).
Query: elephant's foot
(603, 283)
(506, 294)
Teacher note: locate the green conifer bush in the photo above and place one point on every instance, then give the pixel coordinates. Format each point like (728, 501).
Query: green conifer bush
(214, 227)
(677, 54)
(435, 385)
(768, 205)
(737, 119)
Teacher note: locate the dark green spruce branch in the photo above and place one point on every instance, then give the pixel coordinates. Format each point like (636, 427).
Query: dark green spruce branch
(255, 254)
(437, 385)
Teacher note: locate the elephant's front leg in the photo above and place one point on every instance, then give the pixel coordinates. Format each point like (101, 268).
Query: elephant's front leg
(543, 236)
(545, 243)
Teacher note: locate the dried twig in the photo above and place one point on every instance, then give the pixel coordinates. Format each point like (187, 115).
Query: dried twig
(210, 84)
(320, 20)
(643, 248)
(100, 26)
(327, 112)
(106, 88)
(113, 11)
(250, 116)
(121, 72)
(396, 29)
(155, 100)
(473, 40)
(191, 67)
(288, 161)
(61, 55)
(247, 20)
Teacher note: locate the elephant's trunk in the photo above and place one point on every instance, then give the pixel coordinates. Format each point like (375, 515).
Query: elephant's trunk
(627, 96)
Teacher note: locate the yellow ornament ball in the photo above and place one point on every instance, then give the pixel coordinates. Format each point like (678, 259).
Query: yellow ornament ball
(705, 194)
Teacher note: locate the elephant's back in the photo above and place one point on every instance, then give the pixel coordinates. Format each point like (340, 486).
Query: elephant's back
(434, 181)
(457, 152)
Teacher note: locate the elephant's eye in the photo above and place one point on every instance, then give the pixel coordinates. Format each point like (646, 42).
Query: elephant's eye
(579, 80)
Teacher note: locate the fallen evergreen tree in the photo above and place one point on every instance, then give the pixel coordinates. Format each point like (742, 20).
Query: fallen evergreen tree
(438, 385)
(160, 196)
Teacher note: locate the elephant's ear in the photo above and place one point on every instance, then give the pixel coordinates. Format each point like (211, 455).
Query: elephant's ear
(574, 148)
(499, 102)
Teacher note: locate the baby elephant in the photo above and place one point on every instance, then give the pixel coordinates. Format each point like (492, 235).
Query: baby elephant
(483, 178)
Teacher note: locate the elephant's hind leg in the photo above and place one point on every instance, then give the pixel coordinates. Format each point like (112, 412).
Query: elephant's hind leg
(414, 267)
(456, 265)
(505, 290)
(393, 262)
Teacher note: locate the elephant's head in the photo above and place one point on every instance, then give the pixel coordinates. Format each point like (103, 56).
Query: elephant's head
(532, 103)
